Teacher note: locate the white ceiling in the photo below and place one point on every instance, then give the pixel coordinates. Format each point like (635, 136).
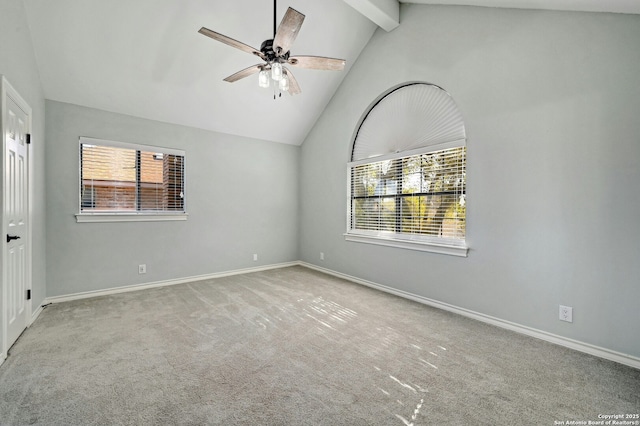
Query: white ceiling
(616, 6)
(145, 57)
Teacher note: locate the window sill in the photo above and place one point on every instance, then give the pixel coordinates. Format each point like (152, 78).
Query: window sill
(451, 250)
(133, 217)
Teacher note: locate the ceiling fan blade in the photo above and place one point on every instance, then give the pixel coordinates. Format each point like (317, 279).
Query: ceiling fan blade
(230, 42)
(294, 87)
(287, 31)
(244, 73)
(317, 63)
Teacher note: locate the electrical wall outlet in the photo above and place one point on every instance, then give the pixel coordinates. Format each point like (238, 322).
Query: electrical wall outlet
(566, 313)
(255, 257)
(321, 256)
(142, 269)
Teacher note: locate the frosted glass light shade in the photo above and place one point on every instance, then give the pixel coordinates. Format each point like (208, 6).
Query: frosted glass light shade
(263, 78)
(276, 71)
(284, 83)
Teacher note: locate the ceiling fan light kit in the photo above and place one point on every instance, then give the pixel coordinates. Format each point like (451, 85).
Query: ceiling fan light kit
(276, 53)
(276, 71)
(263, 78)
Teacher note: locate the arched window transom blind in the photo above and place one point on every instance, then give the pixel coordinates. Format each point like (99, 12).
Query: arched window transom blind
(408, 172)
(413, 116)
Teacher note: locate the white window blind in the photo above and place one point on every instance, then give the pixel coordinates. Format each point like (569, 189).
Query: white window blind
(417, 197)
(407, 175)
(117, 177)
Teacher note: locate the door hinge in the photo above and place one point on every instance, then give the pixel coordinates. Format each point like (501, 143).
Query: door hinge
(29, 294)
(28, 138)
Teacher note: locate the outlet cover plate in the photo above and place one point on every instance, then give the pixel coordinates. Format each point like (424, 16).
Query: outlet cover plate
(566, 313)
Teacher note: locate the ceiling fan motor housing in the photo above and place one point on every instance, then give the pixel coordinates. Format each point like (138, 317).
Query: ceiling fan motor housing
(267, 50)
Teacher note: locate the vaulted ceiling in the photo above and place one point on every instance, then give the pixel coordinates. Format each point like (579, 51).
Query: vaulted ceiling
(145, 57)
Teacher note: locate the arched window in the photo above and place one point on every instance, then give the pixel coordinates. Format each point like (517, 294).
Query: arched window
(407, 179)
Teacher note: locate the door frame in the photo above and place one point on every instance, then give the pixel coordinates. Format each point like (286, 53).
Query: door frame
(6, 90)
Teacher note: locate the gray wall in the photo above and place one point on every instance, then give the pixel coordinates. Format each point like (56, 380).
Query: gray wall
(18, 65)
(241, 195)
(550, 101)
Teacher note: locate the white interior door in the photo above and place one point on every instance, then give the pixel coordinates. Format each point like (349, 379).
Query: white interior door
(15, 123)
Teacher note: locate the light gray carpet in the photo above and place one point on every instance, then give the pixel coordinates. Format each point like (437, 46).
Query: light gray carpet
(293, 347)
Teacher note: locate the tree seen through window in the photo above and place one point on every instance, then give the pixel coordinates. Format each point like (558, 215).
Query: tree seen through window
(422, 194)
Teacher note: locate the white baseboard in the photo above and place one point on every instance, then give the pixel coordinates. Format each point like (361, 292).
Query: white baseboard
(164, 283)
(618, 357)
(36, 313)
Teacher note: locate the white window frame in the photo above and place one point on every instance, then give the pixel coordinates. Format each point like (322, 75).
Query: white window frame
(409, 119)
(449, 246)
(128, 216)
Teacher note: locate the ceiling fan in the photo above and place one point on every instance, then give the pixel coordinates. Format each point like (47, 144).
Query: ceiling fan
(276, 54)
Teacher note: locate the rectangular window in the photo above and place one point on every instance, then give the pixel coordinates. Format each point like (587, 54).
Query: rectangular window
(418, 198)
(126, 179)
